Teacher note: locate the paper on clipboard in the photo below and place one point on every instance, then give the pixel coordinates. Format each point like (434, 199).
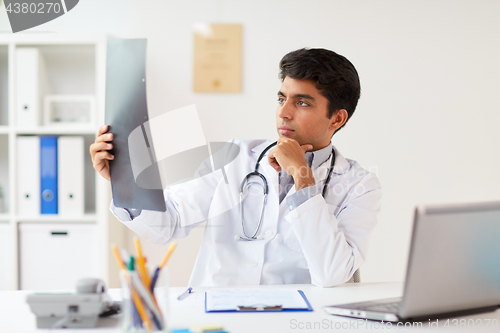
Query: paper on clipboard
(230, 299)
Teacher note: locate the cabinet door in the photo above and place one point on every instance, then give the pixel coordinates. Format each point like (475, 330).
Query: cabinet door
(56, 256)
(5, 257)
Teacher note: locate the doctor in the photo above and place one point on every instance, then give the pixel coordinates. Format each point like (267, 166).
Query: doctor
(315, 224)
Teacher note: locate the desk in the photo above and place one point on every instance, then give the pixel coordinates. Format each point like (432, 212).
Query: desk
(15, 315)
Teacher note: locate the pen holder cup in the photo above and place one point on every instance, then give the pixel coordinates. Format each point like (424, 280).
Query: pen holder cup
(141, 311)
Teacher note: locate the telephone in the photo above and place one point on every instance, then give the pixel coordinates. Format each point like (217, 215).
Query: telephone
(73, 310)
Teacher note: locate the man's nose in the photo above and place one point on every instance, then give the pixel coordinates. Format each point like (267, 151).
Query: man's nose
(286, 110)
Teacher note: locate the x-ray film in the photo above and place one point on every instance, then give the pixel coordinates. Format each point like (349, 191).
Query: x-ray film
(127, 110)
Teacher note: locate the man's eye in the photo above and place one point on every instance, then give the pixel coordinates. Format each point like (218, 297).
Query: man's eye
(302, 103)
(281, 100)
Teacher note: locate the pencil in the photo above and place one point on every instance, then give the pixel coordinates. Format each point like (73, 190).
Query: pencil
(136, 318)
(163, 263)
(116, 252)
(135, 297)
(167, 256)
(143, 272)
(148, 300)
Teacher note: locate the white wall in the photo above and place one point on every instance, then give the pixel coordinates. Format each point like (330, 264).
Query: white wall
(430, 73)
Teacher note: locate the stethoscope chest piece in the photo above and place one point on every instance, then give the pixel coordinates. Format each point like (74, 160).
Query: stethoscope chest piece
(265, 188)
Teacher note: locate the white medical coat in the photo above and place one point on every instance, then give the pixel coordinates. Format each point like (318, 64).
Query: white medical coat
(323, 241)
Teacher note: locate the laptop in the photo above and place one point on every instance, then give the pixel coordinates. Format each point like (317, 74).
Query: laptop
(453, 267)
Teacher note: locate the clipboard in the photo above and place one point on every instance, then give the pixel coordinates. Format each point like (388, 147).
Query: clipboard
(261, 300)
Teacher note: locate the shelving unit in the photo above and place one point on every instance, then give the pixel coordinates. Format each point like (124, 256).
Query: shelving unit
(4, 105)
(75, 64)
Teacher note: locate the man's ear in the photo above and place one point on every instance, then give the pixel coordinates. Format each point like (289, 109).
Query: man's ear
(338, 119)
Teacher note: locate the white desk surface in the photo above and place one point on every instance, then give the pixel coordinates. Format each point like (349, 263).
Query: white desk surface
(16, 316)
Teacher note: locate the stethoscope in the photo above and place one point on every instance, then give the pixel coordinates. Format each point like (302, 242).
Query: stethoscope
(265, 188)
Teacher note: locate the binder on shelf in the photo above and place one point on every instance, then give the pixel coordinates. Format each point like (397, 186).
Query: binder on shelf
(28, 175)
(70, 151)
(48, 174)
(31, 85)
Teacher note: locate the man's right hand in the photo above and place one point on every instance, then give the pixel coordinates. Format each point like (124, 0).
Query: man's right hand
(99, 151)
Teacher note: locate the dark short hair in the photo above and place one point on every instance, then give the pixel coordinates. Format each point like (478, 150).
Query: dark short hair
(335, 76)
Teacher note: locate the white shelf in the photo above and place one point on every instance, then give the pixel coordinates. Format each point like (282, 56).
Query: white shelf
(62, 130)
(90, 218)
(75, 64)
(41, 38)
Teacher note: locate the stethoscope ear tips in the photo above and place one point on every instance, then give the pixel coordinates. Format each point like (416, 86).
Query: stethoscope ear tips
(236, 237)
(260, 237)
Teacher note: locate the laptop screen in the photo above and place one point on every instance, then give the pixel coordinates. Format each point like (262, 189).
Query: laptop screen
(454, 261)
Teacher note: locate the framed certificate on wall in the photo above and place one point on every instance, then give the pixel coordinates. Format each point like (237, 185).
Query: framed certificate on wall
(217, 58)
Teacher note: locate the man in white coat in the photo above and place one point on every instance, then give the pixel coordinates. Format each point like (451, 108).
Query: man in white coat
(314, 227)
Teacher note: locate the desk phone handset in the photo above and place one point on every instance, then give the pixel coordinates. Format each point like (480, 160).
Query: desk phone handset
(73, 310)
